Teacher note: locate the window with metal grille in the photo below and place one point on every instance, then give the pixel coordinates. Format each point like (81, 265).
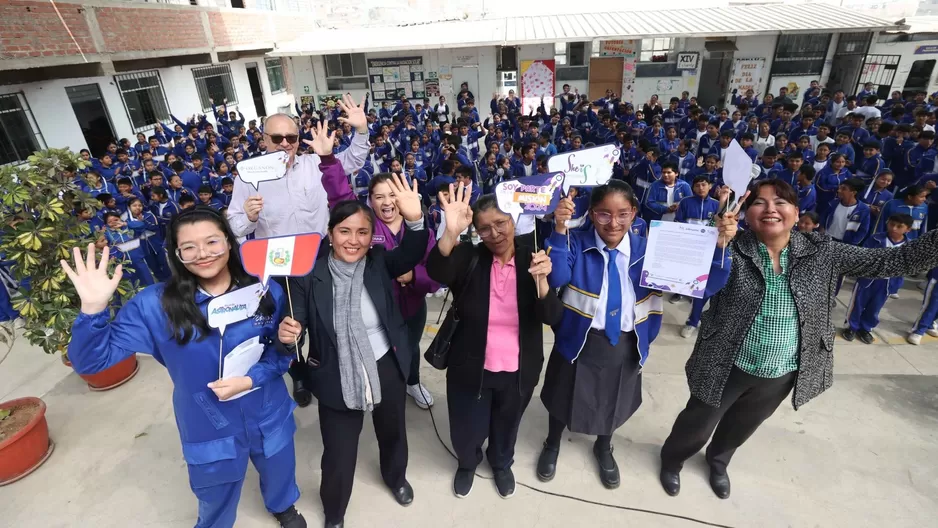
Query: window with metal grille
(144, 99)
(275, 75)
(214, 83)
(800, 54)
(657, 49)
(347, 71)
(19, 133)
(570, 54)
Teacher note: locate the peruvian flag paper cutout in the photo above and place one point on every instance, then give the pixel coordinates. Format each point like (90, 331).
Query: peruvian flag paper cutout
(285, 256)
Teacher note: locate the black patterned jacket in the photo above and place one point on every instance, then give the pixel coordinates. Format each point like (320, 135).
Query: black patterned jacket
(814, 262)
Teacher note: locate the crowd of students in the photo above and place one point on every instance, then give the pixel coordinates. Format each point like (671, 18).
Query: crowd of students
(671, 159)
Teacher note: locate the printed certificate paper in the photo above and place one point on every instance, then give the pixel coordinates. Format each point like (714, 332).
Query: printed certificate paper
(678, 257)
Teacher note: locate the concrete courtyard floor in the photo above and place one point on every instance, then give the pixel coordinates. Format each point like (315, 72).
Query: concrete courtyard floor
(865, 453)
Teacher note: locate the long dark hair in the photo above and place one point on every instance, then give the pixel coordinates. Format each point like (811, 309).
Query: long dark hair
(347, 208)
(178, 301)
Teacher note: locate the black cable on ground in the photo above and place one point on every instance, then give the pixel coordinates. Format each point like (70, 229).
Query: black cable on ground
(578, 499)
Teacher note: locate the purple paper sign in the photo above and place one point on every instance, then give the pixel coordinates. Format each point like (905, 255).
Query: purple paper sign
(533, 195)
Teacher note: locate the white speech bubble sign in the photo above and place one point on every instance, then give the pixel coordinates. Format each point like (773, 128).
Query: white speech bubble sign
(737, 170)
(585, 168)
(505, 197)
(263, 168)
(235, 306)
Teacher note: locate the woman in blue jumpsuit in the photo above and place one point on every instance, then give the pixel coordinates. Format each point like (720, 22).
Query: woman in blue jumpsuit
(122, 237)
(168, 321)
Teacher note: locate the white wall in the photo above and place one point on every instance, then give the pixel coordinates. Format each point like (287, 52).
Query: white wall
(907, 52)
(60, 128)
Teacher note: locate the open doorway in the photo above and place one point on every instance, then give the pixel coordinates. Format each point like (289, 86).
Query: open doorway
(92, 116)
(919, 78)
(257, 93)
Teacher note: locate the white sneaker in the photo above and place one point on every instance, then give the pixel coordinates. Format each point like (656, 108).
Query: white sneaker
(421, 395)
(688, 331)
(440, 293)
(893, 295)
(914, 339)
(932, 332)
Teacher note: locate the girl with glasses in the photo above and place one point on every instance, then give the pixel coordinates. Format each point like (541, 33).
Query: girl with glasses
(169, 322)
(503, 300)
(593, 382)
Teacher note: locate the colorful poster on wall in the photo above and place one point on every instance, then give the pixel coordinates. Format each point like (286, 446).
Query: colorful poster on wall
(629, 53)
(432, 88)
(747, 75)
(393, 78)
(537, 82)
(328, 99)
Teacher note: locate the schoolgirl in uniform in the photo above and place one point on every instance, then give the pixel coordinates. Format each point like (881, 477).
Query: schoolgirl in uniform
(168, 321)
(593, 380)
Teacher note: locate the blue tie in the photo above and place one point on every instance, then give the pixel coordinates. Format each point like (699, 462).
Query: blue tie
(613, 299)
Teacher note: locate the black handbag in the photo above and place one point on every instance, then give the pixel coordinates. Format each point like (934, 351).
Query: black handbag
(437, 354)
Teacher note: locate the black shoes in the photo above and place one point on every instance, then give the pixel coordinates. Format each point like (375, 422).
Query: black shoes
(608, 469)
(404, 495)
(290, 518)
(720, 484)
(301, 395)
(505, 483)
(340, 524)
(848, 334)
(670, 481)
(462, 482)
(866, 337)
(547, 463)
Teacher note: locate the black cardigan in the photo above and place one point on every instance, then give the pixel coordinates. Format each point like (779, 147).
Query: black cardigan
(467, 351)
(313, 308)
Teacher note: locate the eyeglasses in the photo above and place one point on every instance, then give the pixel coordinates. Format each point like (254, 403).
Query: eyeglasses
(213, 247)
(604, 218)
(278, 138)
(498, 227)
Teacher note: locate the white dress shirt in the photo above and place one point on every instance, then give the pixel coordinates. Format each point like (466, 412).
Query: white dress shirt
(296, 203)
(627, 319)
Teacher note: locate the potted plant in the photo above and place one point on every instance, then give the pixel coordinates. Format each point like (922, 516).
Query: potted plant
(38, 201)
(24, 438)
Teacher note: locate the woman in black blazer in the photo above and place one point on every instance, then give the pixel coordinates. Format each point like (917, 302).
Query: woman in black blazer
(503, 301)
(358, 356)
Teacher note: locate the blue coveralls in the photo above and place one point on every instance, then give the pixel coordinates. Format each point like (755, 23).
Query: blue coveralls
(869, 295)
(137, 256)
(217, 437)
(929, 305)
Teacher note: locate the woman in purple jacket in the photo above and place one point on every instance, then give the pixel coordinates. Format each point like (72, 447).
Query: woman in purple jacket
(412, 288)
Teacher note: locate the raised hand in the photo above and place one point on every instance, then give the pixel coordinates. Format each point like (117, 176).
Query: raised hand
(728, 223)
(356, 113)
(541, 267)
(406, 197)
(253, 207)
(563, 214)
(94, 287)
(456, 208)
(323, 142)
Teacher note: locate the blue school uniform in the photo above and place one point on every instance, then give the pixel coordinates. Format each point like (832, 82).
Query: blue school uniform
(918, 213)
(126, 246)
(217, 437)
(765, 172)
(639, 227)
(686, 164)
(807, 198)
(579, 261)
(847, 150)
(869, 295)
(929, 312)
(869, 168)
(827, 181)
(786, 175)
(655, 205)
(643, 174)
(696, 210)
(874, 197)
(858, 223)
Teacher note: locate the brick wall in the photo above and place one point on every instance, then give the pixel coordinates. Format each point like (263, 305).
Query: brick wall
(32, 29)
(238, 28)
(129, 29)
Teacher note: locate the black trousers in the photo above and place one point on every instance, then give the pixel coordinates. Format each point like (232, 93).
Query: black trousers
(494, 413)
(340, 432)
(747, 402)
(415, 325)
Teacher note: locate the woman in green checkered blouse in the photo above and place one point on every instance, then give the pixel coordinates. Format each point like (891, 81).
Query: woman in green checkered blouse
(768, 331)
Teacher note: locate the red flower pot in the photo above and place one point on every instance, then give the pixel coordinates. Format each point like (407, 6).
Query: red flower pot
(113, 376)
(28, 446)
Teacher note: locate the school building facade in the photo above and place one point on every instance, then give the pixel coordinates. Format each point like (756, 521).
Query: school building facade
(76, 73)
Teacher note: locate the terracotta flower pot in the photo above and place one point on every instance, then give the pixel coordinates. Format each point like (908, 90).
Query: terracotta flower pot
(26, 447)
(114, 376)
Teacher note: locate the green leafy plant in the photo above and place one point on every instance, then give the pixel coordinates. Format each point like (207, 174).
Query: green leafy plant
(39, 228)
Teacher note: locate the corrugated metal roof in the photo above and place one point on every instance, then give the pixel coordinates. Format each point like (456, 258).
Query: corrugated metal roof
(684, 23)
(918, 24)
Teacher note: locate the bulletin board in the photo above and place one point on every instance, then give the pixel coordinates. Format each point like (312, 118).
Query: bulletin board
(396, 77)
(537, 82)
